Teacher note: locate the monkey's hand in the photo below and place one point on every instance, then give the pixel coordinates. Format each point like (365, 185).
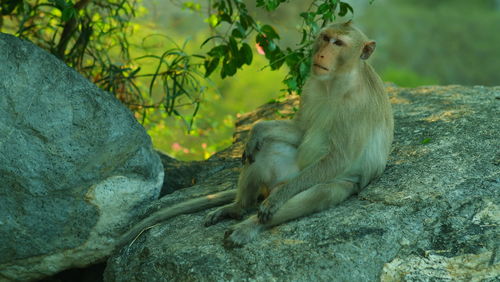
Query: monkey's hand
(252, 147)
(270, 206)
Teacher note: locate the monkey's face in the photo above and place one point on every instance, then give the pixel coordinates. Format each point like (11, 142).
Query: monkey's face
(329, 53)
(338, 48)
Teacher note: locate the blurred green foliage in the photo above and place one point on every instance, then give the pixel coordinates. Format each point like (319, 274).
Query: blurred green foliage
(418, 43)
(171, 60)
(434, 42)
(94, 37)
(406, 77)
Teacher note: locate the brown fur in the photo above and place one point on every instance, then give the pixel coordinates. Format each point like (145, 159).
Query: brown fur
(336, 144)
(342, 135)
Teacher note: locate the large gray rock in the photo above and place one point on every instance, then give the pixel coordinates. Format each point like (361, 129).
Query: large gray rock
(433, 215)
(74, 165)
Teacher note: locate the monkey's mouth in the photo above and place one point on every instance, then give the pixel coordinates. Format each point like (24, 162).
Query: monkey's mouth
(321, 67)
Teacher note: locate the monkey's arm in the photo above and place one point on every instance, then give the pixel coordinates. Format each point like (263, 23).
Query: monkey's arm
(286, 131)
(189, 206)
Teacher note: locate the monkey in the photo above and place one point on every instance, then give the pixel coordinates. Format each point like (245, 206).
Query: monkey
(336, 144)
(342, 134)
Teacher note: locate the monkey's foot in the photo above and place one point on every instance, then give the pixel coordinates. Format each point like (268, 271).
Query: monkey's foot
(242, 233)
(267, 209)
(221, 213)
(212, 218)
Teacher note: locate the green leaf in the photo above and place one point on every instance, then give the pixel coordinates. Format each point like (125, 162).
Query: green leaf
(344, 8)
(308, 17)
(239, 61)
(7, 7)
(277, 59)
(271, 46)
(60, 3)
(323, 8)
(328, 16)
(236, 33)
(292, 60)
(272, 5)
(195, 7)
(210, 38)
(269, 32)
(272, 101)
(247, 53)
(261, 40)
(246, 21)
(314, 27)
(291, 83)
(68, 13)
(303, 69)
(304, 36)
(228, 68)
(233, 47)
(226, 18)
(211, 65)
(426, 140)
(269, 5)
(213, 20)
(219, 51)
(240, 27)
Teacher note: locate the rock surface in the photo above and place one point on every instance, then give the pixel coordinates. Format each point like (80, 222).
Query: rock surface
(179, 174)
(433, 215)
(74, 165)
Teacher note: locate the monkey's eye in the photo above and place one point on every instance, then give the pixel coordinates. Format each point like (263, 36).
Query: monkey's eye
(338, 42)
(326, 38)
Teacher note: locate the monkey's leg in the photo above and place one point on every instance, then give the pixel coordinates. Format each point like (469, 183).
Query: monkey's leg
(317, 198)
(338, 191)
(263, 132)
(249, 182)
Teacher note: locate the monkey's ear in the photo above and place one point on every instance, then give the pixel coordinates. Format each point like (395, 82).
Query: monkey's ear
(368, 49)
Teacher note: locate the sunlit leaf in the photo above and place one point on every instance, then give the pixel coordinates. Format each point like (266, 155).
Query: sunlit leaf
(213, 20)
(196, 7)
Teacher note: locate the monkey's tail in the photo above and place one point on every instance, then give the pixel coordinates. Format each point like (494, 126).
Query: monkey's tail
(189, 206)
